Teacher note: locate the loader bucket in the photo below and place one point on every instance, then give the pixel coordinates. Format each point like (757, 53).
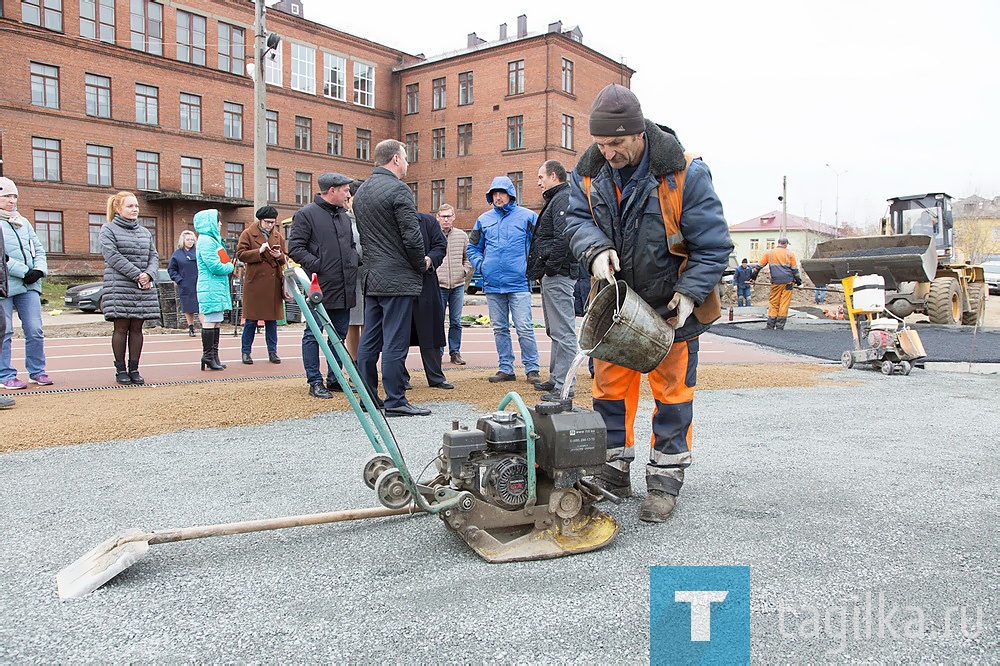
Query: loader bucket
(904, 258)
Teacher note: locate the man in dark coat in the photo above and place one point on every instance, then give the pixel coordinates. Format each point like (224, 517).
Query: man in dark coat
(321, 241)
(428, 312)
(392, 275)
(5, 402)
(551, 262)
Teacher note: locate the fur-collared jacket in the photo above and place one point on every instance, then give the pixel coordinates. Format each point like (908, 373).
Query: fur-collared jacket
(637, 232)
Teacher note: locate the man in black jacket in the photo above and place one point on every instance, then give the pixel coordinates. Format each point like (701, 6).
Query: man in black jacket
(392, 275)
(321, 241)
(428, 312)
(551, 262)
(5, 402)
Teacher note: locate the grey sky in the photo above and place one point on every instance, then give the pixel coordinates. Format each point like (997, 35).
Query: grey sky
(900, 97)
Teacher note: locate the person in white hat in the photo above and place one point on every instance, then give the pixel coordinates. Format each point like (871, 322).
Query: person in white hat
(26, 265)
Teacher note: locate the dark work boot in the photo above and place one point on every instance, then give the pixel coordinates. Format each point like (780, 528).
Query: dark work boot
(615, 481)
(779, 323)
(121, 375)
(207, 358)
(657, 507)
(770, 323)
(133, 373)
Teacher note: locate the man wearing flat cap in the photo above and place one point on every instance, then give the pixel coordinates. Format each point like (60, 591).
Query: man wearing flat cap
(321, 241)
(262, 249)
(644, 211)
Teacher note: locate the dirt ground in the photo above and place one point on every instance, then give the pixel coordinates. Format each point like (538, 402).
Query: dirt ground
(60, 419)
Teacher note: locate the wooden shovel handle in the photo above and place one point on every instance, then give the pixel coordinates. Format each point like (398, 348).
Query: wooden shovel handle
(223, 529)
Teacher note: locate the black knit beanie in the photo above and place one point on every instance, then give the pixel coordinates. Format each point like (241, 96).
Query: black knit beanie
(616, 112)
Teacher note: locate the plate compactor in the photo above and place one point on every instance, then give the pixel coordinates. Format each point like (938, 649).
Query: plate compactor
(881, 340)
(519, 486)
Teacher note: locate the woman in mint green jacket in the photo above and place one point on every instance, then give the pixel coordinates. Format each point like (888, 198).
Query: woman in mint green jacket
(214, 295)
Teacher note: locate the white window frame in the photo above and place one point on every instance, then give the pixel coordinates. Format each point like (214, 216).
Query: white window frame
(272, 66)
(364, 72)
(334, 65)
(303, 68)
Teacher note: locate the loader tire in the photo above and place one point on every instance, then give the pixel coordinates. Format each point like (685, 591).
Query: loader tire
(944, 301)
(977, 304)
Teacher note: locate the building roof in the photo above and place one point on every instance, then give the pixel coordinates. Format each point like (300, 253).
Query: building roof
(772, 222)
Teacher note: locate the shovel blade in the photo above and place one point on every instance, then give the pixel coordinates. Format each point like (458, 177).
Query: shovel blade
(101, 564)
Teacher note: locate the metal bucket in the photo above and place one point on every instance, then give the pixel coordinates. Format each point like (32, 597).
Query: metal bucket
(621, 328)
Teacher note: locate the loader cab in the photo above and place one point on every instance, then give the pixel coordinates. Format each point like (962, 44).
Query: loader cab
(927, 215)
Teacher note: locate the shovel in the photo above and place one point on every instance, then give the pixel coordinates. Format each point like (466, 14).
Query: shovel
(121, 551)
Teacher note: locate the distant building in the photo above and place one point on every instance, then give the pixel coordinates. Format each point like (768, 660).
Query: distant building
(155, 98)
(977, 226)
(757, 235)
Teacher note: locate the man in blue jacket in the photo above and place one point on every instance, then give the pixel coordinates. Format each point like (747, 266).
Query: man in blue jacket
(498, 248)
(741, 279)
(643, 211)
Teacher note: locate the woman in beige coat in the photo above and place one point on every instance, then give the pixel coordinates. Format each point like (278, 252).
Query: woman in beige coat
(262, 248)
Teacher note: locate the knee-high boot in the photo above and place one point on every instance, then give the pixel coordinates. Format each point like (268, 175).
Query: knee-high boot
(215, 348)
(208, 337)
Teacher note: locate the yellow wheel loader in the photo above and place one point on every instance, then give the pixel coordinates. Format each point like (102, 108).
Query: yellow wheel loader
(916, 256)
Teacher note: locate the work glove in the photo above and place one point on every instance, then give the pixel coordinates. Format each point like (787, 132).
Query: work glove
(605, 265)
(684, 305)
(32, 276)
(798, 281)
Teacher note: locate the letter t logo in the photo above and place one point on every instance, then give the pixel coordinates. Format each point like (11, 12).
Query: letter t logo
(701, 610)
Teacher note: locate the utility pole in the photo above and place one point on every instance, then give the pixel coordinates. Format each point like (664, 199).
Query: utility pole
(259, 110)
(836, 203)
(784, 206)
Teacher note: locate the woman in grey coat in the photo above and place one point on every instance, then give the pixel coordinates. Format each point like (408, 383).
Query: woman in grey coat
(130, 264)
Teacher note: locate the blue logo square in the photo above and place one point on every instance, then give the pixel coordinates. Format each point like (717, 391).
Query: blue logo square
(699, 615)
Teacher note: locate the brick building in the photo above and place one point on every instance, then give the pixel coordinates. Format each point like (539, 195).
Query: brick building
(154, 97)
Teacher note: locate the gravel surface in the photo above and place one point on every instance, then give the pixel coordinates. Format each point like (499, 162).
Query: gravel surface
(829, 339)
(868, 485)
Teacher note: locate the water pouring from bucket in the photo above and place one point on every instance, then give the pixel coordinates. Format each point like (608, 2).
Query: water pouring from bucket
(623, 329)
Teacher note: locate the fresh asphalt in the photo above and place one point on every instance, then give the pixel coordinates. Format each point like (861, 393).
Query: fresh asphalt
(846, 500)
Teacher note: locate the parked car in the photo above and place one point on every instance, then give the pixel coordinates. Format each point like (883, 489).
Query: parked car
(475, 284)
(88, 297)
(991, 269)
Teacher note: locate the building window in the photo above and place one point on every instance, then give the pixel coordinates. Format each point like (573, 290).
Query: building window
(97, 91)
(45, 159)
(364, 84)
(439, 97)
(98, 165)
(567, 76)
(464, 195)
(97, 20)
(234, 180)
(149, 223)
(769, 244)
(44, 85)
(190, 112)
(190, 175)
(234, 229)
(44, 13)
(303, 133)
(147, 170)
(414, 188)
(437, 145)
(232, 120)
(517, 177)
(272, 127)
(272, 66)
(303, 187)
(363, 151)
(147, 26)
(303, 68)
(190, 38)
(412, 146)
(464, 88)
(437, 194)
(515, 132)
(49, 229)
(96, 222)
(334, 77)
(754, 245)
(567, 132)
(515, 77)
(147, 104)
(334, 139)
(413, 98)
(272, 184)
(465, 140)
(232, 48)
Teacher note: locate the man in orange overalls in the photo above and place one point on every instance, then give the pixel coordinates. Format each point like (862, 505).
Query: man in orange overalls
(784, 269)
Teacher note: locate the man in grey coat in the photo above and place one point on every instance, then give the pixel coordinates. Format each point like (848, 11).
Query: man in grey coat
(392, 274)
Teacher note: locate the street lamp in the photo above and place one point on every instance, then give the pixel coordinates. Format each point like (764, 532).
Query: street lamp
(264, 43)
(836, 202)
